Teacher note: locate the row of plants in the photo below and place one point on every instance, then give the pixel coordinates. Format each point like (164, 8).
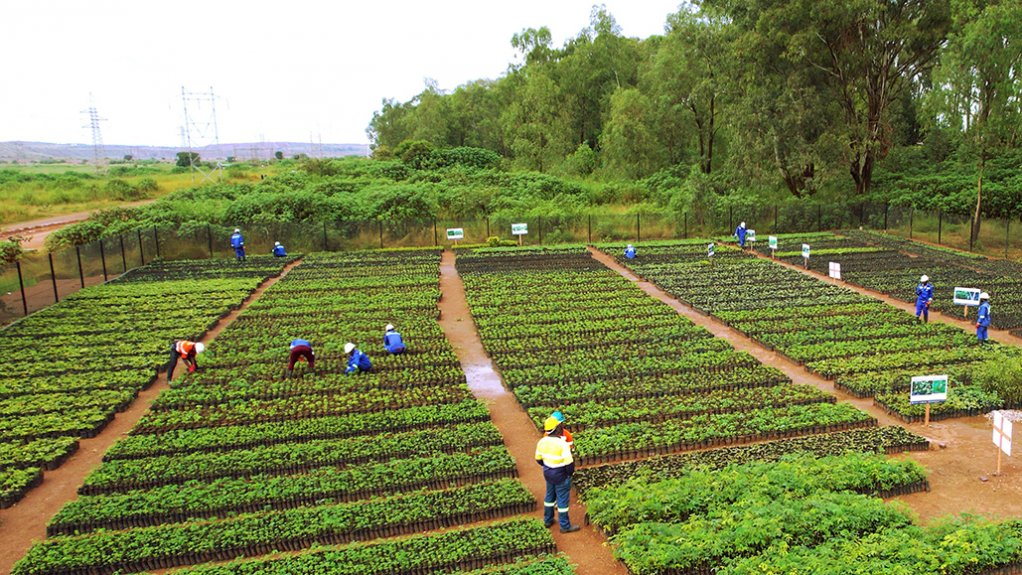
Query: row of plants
(237, 461)
(797, 515)
(627, 395)
(832, 330)
(72, 366)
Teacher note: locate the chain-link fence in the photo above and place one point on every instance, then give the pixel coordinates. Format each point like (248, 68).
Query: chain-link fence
(40, 279)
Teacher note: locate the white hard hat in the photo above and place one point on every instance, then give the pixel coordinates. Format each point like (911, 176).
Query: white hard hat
(276, 243)
(237, 230)
(389, 327)
(984, 295)
(200, 347)
(348, 347)
(925, 278)
(742, 224)
(630, 245)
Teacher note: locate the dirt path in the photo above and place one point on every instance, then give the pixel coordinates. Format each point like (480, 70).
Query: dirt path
(35, 231)
(954, 469)
(25, 522)
(586, 547)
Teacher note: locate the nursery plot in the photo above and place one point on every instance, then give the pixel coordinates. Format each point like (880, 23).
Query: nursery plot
(865, 345)
(237, 460)
(629, 373)
(71, 366)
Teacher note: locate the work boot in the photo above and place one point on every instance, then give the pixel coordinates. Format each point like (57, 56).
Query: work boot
(570, 529)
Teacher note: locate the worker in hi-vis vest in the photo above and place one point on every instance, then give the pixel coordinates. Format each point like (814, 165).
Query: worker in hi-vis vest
(554, 454)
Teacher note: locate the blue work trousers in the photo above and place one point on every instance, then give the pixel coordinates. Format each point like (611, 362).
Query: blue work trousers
(557, 494)
(922, 308)
(981, 333)
(239, 253)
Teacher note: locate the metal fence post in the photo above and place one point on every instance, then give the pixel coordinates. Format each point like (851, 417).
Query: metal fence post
(21, 284)
(487, 228)
(381, 233)
(589, 233)
(940, 224)
(209, 239)
(53, 278)
(887, 208)
(436, 240)
(124, 258)
(81, 274)
(141, 250)
(102, 258)
(156, 238)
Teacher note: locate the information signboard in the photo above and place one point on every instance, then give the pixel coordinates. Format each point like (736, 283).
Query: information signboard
(928, 389)
(519, 229)
(455, 233)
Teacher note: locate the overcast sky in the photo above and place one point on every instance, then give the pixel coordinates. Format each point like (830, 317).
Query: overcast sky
(281, 71)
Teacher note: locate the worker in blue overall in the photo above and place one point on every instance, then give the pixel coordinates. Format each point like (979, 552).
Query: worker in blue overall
(983, 318)
(924, 297)
(392, 340)
(630, 252)
(278, 250)
(740, 233)
(238, 243)
(358, 362)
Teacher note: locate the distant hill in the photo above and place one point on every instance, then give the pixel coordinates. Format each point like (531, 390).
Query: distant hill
(39, 151)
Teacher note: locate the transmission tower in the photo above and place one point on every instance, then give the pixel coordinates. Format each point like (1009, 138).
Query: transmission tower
(97, 136)
(200, 128)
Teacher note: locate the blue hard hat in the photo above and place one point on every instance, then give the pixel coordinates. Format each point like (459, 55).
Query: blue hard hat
(558, 416)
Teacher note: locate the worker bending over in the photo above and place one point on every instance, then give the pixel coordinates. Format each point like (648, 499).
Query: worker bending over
(554, 455)
(740, 233)
(358, 362)
(185, 350)
(238, 243)
(300, 349)
(630, 252)
(278, 250)
(392, 340)
(924, 297)
(983, 318)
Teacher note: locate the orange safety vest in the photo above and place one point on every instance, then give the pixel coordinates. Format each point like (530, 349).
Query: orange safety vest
(186, 348)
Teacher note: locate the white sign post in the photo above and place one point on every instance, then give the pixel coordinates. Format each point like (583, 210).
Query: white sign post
(1002, 437)
(966, 297)
(710, 250)
(805, 255)
(928, 389)
(835, 270)
(772, 242)
(751, 237)
(519, 230)
(455, 234)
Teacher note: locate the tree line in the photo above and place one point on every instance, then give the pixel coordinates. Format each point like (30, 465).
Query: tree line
(905, 100)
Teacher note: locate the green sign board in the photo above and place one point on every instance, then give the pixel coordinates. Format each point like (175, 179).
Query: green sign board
(928, 389)
(455, 233)
(772, 240)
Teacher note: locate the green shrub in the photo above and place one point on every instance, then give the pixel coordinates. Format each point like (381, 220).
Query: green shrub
(1001, 375)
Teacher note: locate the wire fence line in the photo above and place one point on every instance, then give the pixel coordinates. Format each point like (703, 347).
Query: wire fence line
(40, 279)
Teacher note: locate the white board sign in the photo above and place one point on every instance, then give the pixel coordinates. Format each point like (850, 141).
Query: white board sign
(835, 270)
(967, 296)
(772, 241)
(1002, 433)
(805, 251)
(455, 233)
(928, 389)
(751, 237)
(520, 229)
(709, 250)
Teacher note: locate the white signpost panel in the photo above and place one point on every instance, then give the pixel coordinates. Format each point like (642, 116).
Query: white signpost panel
(519, 229)
(967, 296)
(928, 389)
(710, 249)
(455, 233)
(1002, 437)
(751, 237)
(772, 242)
(835, 270)
(805, 251)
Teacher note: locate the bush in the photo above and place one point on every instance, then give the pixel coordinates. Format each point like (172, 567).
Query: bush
(1003, 376)
(10, 250)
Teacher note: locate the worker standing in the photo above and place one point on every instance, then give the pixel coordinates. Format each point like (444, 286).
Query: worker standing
(238, 243)
(392, 340)
(740, 233)
(554, 455)
(567, 434)
(185, 350)
(278, 250)
(358, 362)
(983, 318)
(924, 297)
(630, 252)
(300, 349)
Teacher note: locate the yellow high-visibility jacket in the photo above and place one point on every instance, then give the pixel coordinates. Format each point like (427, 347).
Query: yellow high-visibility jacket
(554, 454)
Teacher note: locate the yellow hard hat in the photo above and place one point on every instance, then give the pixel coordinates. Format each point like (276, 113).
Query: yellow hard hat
(550, 424)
